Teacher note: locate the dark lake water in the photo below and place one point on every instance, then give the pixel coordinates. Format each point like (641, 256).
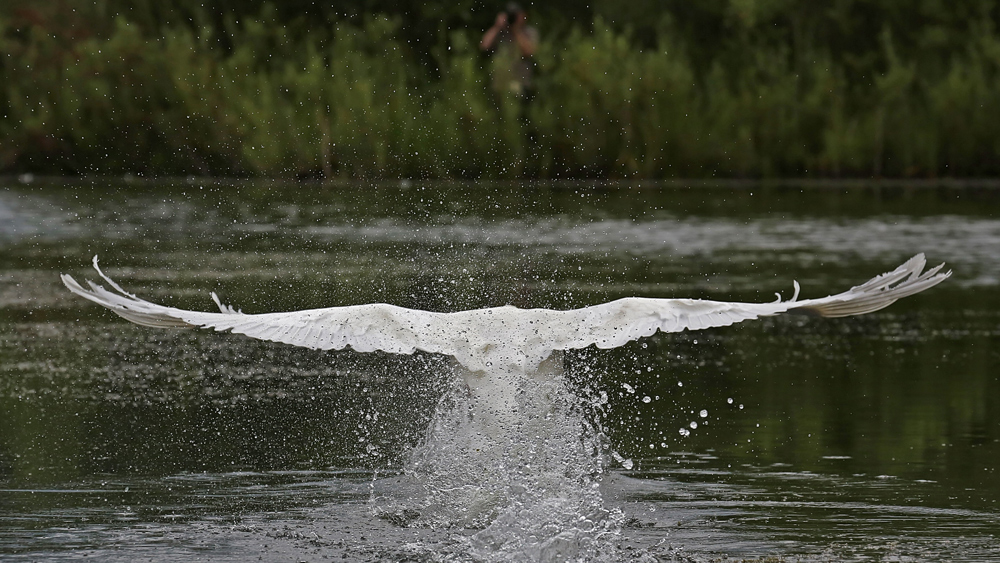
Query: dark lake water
(874, 438)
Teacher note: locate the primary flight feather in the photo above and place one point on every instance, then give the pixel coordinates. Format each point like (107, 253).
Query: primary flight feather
(504, 338)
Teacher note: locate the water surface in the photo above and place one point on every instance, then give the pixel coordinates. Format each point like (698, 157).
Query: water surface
(865, 439)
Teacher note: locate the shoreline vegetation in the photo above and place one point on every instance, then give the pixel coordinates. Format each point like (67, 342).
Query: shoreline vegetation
(737, 90)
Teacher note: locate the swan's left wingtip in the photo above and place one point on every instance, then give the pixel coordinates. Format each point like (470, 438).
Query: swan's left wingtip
(69, 282)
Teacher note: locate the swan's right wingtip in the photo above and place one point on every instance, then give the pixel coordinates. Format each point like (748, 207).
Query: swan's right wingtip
(881, 291)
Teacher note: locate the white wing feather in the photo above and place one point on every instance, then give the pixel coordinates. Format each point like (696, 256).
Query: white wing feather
(503, 337)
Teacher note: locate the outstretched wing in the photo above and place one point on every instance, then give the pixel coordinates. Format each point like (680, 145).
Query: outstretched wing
(365, 328)
(613, 324)
(505, 335)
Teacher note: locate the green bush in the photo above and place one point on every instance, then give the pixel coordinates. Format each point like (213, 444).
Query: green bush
(355, 99)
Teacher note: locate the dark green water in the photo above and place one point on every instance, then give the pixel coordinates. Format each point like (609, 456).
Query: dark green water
(865, 439)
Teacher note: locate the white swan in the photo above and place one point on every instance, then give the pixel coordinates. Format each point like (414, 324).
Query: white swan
(511, 453)
(505, 338)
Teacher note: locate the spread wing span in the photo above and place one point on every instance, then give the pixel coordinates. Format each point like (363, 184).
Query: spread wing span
(504, 338)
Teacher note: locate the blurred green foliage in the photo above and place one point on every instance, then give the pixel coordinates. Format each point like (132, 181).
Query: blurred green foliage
(375, 89)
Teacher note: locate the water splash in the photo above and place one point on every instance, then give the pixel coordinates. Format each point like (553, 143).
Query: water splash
(516, 461)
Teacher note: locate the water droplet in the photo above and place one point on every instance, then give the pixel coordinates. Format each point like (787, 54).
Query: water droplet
(693, 424)
(646, 399)
(685, 432)
(729, 400)
(703, 413)
(628, 387)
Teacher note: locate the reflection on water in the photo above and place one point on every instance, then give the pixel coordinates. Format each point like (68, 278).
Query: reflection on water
(863, 439)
